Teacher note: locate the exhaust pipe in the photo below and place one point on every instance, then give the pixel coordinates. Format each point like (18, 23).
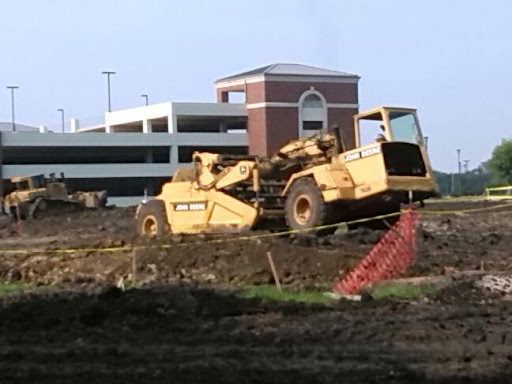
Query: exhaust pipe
(337, 139)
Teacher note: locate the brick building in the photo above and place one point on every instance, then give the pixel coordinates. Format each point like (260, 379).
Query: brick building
(288, 101)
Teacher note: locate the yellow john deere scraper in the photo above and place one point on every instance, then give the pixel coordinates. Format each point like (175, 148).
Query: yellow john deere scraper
(310, 182)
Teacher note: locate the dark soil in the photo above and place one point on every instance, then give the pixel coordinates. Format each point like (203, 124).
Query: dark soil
(189, 335)
(445, 242)
(88, 331)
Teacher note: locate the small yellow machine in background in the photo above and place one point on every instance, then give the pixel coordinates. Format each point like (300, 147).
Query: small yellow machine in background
(36, 196)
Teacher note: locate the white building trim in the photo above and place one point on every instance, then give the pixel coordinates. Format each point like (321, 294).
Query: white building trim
(269, 104)
(295, 105)
(347, 106)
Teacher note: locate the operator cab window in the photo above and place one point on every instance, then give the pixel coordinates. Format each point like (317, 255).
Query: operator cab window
(371, 130)
(22, 185)
(39, 182)
(404, 127)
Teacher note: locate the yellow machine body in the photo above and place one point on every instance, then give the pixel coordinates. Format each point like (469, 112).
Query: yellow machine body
(309, 182)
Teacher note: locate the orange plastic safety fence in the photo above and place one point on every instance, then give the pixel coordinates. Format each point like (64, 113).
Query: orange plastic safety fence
(390, 256)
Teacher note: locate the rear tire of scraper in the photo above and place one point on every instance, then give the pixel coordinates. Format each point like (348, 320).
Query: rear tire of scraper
(305, 207)
(151, 219)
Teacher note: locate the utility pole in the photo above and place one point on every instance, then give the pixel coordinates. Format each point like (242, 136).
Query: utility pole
(458, 160)
(146, 97)
(466, 165)
(12, 88)
(62, 116)
(108, 73)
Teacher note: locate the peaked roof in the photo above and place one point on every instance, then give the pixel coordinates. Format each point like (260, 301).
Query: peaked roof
(289, 70)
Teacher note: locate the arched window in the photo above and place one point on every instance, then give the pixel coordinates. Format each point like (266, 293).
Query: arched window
(312, 113)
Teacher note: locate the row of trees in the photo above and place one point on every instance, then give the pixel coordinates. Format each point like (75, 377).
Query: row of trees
(495, 172)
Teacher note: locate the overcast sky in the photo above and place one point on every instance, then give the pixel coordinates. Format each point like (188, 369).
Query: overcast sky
(450, 59)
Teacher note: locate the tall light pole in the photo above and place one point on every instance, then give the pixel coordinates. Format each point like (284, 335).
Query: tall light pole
(62, 116)
(108, 73)
(146, 97)
(458, 159)
(426, 142)
(12, 88)
(466, 166)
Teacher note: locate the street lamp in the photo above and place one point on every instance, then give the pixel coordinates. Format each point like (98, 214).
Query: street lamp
(466, 166)
(458, 159)
(426, 142)
(108, 73)
(62, 116)
(146, 97)
(12, 88)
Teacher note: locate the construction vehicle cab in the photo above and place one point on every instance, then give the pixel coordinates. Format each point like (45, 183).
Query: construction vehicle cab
(397, 124)
(32, 187)
(398, 164)
(310, 182)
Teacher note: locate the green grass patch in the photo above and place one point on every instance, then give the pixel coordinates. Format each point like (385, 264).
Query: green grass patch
(405, 291)
(9, 288)
(268, 293)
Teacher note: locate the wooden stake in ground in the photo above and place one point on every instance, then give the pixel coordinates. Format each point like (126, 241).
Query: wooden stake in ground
(274, 272)
(134, 266)
(19, 227)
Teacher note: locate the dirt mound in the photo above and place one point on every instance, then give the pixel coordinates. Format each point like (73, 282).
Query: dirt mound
(102, 222)
(197, 335)
(465, 291)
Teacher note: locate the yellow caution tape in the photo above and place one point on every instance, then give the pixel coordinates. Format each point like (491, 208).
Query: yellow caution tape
(244, 238)
(469, 210)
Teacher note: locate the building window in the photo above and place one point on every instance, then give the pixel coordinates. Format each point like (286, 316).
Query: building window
(312, 113)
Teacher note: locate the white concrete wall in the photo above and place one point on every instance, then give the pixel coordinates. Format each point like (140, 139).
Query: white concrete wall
(93, 170)
(125, 116)
(125, 201)
(34, 139)
(122, 139)
(209, 109)
(169, 110)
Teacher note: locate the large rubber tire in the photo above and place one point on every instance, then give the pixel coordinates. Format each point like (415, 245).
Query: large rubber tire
(305, 205)
(151, 219)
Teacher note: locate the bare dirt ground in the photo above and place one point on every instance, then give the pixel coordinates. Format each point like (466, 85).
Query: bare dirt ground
(190, 335)
(82, 329)
(452, 241)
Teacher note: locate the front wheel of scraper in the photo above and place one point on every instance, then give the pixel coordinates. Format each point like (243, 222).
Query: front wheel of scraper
(305, 207)
(151, 219)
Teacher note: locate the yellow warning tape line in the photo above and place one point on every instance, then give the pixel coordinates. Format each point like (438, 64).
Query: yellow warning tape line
(223, 240)
(244, 238)
(469, 210)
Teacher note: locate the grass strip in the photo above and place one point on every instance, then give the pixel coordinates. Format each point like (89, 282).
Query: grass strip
(18, 287)
(270, 293)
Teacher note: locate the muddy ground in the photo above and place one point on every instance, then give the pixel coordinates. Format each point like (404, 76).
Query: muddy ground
(446, 242)
(181, 334)
(79, 328)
